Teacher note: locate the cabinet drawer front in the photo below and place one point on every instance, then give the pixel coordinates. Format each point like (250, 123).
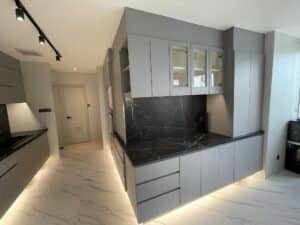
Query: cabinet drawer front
(157, 187)
(155, 170)
(9, 188)
(157, 206)
(7, 164)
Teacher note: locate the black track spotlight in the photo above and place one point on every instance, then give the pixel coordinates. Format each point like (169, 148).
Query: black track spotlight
(58, 58)
(20, 14)
(42, 40)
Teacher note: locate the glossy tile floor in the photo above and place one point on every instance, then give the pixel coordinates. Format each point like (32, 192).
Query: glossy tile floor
(83, 188)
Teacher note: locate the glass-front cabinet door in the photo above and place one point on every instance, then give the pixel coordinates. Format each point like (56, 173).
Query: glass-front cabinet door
(180, 81)
(199, 70)
(216, 71)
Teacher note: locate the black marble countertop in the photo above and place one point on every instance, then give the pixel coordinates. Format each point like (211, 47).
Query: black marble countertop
(143, 152)
(19, 140)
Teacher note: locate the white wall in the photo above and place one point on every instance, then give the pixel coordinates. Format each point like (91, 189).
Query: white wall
(38, 91)
(281, 96)
(89, 80)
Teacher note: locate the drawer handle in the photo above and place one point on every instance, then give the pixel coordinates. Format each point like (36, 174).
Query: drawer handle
(8, 170)
(157, 178)
(157, 196)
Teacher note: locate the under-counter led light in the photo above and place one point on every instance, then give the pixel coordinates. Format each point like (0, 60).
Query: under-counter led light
(20, 14)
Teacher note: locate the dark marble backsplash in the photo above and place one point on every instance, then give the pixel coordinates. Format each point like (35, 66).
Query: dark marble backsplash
(148, 118)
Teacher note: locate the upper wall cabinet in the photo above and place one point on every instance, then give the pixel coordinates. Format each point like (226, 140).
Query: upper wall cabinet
(149, 66)
(180, 79)
(216, 57)
(165, 68)
(249, 92)
(11, 81)
(199, 65)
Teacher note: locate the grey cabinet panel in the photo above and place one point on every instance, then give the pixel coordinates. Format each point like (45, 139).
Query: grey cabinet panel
(226, 156)
(157, 206)
(140, 68)
(9, 188)
(160, 67)
(155, 170)
(18, 169)
(241, 159)
(255, 154)
(210, 170)
(256, 92)
(131, 183)
(248, 156)
(190, 177)
(242, 92)
(31, 158)
(156, 187)
(11, 86)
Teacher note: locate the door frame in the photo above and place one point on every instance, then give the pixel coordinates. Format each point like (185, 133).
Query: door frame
(58, 103)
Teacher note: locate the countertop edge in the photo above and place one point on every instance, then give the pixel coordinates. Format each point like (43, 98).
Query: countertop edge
(178, 154)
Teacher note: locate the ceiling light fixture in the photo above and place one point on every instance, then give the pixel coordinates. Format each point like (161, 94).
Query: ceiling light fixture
(42, 40)
(20, 14)
(21, 11)
(58, 57)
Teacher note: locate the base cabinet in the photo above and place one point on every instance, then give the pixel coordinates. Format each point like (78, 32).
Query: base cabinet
(248, 157)
(17, 170)
(158, 187)
(190, 177)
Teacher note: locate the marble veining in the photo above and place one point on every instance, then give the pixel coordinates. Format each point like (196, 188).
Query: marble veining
(150, 118)
(83, 188)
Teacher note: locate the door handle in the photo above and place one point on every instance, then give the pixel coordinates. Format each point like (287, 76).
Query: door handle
(69, 117)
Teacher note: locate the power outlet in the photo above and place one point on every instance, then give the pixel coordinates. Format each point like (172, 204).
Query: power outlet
(278, 157)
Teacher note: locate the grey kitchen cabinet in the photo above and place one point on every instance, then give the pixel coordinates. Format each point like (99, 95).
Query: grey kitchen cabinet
(140, 68)
(8, 183)
(256, 92)
(31, 157)
(118, 156)
(153, 188)
(11, 81)
(248, 85)
(210, 170)
(226, 164)
(190, 177)
(242, 89)
(217, 167)
(17, 170)
(216, 70)
(180, 68)
(160, 67)
(248, 156)
(149, 66)
(199, 70)
(255, 154)
(157, 206)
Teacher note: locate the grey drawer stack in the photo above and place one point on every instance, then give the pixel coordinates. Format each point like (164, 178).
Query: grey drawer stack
(157, 188)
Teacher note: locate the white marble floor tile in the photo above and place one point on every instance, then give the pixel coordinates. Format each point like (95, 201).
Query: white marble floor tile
(83, 188)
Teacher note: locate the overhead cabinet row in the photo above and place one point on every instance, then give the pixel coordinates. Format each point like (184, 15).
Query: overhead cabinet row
(166, 68)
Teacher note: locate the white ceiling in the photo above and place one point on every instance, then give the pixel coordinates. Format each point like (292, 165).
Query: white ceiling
(82, 30)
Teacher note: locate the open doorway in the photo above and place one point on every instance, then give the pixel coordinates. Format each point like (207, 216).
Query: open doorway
(72, 114)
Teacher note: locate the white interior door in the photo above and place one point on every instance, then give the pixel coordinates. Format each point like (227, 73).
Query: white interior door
(74, 115)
